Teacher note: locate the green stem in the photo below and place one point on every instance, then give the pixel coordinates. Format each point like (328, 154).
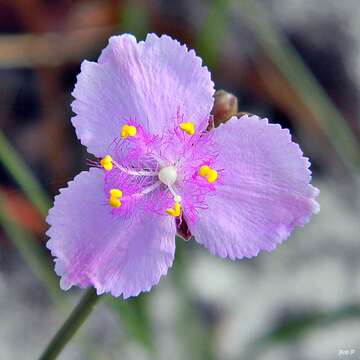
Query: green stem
(71, 325)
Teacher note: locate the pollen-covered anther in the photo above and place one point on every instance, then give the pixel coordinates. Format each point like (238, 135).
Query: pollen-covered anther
(175, 210)
(106, 162)
(208, 173)
(128, 131)
(187, 127)
(114, 202)
(115, 195)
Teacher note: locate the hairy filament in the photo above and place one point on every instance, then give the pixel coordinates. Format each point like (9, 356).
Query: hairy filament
(134, 172)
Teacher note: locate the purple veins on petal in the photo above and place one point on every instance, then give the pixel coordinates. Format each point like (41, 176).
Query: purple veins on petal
(121, 255)
(265, 190)
(147, 81)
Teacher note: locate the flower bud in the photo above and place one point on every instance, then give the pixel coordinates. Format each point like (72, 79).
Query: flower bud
(225, 106)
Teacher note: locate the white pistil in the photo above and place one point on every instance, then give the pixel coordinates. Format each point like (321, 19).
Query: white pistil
(168, 175)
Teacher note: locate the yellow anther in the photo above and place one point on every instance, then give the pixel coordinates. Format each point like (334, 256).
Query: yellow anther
(175, 210)
(114, 202)
(204, 170)
(128, 130)
(188, 127)
(106, 162)
(208, 173)
(116, 193)
(213, 175)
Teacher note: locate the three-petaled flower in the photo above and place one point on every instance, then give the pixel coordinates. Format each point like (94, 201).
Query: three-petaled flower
(143, 109)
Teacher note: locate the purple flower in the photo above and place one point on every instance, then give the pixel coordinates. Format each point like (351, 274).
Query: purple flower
(143, 109)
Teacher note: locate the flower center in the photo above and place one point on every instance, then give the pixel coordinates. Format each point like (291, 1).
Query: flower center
(168, 175)
(140, 175)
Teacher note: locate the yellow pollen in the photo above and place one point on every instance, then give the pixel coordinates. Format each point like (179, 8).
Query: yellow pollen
(106, 162)
(116, 193)
(204, 170)
(175, 210)
(208, 173)
(128, 130)
(114, 202)
(187, 127)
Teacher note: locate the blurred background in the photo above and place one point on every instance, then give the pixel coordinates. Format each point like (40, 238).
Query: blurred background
(294, 61)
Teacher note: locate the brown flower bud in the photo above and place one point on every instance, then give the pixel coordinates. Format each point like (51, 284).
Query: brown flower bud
(225, 106)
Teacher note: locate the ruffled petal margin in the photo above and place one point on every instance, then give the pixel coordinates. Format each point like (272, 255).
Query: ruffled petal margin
(151, 82)
(263, 194)
(123, 256)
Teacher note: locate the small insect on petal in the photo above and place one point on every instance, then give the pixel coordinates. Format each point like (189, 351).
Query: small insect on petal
(128, 130)
(175, 210)
(106, 162)
(187, 127)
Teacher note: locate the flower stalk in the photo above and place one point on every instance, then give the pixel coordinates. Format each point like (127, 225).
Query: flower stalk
(71, 325)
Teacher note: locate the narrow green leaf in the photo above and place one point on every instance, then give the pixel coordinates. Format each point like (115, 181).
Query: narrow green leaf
(23, 176)
(134, 19)
(32, 253)
(213, 29)
(301, 79)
